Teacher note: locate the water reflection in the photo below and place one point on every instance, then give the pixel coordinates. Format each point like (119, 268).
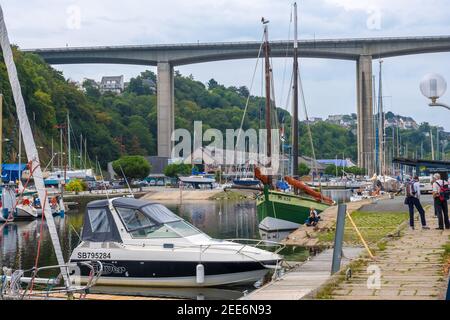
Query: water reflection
(220, 219)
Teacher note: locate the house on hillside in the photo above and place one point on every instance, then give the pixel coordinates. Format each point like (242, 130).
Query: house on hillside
(113, 84)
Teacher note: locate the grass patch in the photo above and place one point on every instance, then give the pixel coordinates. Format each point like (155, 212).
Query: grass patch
(373, 226)
(382, 245)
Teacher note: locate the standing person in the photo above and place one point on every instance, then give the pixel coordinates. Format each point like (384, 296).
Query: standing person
(441, 195)
(413, 200)
(433, 180)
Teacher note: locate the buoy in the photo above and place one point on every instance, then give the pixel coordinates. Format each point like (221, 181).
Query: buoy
(200, 274)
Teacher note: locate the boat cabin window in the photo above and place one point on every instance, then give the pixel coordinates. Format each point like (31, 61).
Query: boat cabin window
(134, 219)
(99, 220)
(155, 221)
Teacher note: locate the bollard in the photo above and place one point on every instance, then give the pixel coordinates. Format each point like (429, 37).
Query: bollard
(338, 238)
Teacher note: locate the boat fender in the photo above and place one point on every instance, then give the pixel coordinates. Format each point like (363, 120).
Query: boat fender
(5, 213)
(200, 274)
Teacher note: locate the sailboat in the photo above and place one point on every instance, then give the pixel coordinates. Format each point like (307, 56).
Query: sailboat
(16, 284)
(277, 204)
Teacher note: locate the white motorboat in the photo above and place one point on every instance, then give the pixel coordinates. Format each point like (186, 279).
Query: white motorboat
(141, 243)
(197, 180)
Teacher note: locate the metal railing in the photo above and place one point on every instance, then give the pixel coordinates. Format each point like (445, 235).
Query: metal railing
(11, 285)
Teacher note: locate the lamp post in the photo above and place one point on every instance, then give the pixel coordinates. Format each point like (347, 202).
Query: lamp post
(433, 86)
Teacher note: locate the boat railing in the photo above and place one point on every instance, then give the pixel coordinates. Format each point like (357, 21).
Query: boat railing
(259, 243)
(234, 245)
(11, 282)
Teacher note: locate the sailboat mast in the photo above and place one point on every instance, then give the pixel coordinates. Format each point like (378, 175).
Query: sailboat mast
(68, 141)
(295, 145)
(432, 144)
(85, 153)
(380, 123)
(20, 155)
(81, 150)
(268, 93)
(1, 137)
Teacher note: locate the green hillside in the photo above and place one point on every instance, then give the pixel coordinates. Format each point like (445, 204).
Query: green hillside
(125, 124)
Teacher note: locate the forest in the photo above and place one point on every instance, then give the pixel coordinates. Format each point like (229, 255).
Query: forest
(115, 125)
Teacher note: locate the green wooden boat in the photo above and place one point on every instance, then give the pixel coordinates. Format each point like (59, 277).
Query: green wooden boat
(286, 206)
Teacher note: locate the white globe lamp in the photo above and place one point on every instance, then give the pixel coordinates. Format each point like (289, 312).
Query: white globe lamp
(433, 86)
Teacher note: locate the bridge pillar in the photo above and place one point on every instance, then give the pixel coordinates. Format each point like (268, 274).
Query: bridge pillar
(364, 90)
(165, 108)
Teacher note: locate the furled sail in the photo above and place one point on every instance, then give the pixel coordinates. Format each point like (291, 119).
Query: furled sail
(28, 140)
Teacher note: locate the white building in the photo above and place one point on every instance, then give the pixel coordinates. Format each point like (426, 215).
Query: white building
(114, 84)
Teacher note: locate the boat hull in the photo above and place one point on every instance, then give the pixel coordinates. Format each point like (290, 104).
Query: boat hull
(178, 273)
(238, 182)
(286, 206)
(26, 213)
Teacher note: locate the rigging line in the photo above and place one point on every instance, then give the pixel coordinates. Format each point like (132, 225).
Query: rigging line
(273, 102)
(288, 98)
(302, 94)
(248, 98)
(285, 59)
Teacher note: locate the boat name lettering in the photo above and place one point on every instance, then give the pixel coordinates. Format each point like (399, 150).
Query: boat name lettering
(110, 268)
(94, 255)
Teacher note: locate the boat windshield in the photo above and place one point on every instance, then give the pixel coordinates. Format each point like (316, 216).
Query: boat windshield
(155, 221)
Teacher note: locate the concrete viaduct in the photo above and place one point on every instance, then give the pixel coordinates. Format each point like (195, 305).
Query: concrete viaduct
(166, 57)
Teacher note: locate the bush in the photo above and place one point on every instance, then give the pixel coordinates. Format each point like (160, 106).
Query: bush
(76, 185)
(176, 169)
(303, 169)
(134, 167)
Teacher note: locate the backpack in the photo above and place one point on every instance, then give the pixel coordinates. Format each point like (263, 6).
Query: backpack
(410, 192)
(444, 191)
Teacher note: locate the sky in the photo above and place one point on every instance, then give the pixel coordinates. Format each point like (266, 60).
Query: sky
(329, 85)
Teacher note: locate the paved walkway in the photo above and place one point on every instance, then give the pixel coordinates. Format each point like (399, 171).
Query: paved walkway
(411, 268)
(304, 279)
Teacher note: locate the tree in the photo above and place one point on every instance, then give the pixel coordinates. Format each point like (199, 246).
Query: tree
(134, 167)
(175, 170)
(212, 84)
(91, 89)
(303, 169)
(331, 170)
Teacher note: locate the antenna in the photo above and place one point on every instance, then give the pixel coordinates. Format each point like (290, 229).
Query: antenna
(103, 179)
(126, 180)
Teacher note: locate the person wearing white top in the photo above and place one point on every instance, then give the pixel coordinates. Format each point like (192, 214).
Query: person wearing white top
(441, 205)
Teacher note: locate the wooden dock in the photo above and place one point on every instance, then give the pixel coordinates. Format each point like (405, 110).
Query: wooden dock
(304, 279)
